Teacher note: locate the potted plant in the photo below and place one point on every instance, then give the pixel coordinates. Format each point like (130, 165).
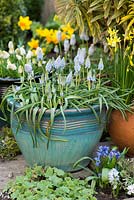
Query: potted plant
(61, 118)
(121, 128)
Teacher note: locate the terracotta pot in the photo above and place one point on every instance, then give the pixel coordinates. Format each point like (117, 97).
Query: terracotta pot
(122, 131)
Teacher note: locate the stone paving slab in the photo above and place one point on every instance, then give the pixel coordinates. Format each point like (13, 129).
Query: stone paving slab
(9, 169)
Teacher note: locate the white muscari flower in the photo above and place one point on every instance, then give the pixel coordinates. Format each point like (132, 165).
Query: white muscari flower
(91, 76)
(22, 51)
(101, 65)
(81, 55)
(87, 62)
(91, 50)
(29, 54)
(17, 88)
(57, 63)
(4, 54)
(20, 69)
(43, 62)
(77, 67)
(84, 36)
(66, 45)
(11, 66)
(39, 53)
(59, 35)
(17, 51)
(28, 68)
(73, 40)
(63, 63)
(130, 189)
(69, 78)
(56, 49)
(113, 176)
(11, 47)
(18, 57)
(49, 66)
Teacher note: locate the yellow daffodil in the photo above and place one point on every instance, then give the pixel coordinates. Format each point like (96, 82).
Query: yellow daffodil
(113, 38)
(24, 23)
(67, 29)
(43, 32)
(33, 43)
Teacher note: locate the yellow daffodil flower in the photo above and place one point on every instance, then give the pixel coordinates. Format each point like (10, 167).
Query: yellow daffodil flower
(67, 29)
(33, 43)
(24, 23)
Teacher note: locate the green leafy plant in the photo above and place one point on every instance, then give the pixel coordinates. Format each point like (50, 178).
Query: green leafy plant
(95, 15)
(65, 83)
(9, 29)
(121, 51)
(8, 146)
(111, 169)
(49, 184)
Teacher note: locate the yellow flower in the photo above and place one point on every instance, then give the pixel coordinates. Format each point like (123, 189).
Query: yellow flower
(113, 38)
(24, 23)
(42, 32)
(56, 18)
(68, 30)
(33, 43)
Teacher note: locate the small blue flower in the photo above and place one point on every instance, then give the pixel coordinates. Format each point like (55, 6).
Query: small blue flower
(103, 150)
(98, 161)
(114, 153)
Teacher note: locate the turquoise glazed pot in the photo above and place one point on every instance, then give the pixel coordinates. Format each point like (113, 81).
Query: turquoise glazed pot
(66, 146)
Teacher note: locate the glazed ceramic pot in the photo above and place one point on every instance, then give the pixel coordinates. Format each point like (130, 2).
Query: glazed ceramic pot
(66, 145)
(122, 131)
(4, 84)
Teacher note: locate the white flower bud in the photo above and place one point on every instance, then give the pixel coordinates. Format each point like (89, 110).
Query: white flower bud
(69, 78)
(4, 54)
(11, 47)
(91, 50)
(87, 62)
(59, 35)
(28, 68)
(22, 51)
(49, 66)
(39, 53)
(29, 54)
(101, 65)
(18, 57)
(56, 49)
(73, 40)
(11, 66)
(20, 69)
(66, 45)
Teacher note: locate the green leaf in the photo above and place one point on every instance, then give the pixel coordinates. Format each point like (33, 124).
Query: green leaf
(105, 172)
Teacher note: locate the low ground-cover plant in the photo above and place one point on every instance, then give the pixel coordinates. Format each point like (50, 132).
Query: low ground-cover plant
(48, 184)
(8, 146)
(111, 169)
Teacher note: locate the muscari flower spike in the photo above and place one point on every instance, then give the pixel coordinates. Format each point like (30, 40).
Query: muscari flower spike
(91, 50)
(73, 40)
(87, 62)
(39, 53)
(66, 45)
(101, 65)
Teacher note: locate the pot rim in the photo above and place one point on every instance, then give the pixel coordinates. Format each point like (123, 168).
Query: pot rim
(10, 102)
(8, 79)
